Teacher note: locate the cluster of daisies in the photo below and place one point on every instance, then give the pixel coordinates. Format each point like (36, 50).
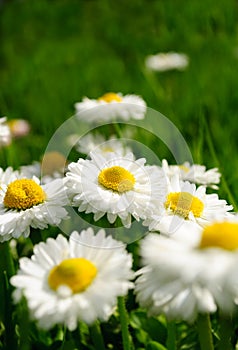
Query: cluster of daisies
(189, 255)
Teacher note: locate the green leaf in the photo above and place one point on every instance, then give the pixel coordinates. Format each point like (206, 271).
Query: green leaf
(153, 345)
(154, 327)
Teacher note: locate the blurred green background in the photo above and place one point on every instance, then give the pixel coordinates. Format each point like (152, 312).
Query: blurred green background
(52, 53)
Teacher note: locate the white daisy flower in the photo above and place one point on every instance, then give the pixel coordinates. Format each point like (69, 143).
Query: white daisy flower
(77, 280)
(19, 127)
(181, 281)
(184, 203)
(194, 173)
(112, 106)
(50, 168)
(115, 185)
(162, 62)
(35, 169)
(5, 133)
(97, 143)
(25, 203)
(31, 170)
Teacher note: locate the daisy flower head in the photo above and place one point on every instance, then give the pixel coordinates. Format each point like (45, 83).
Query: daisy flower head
(184, 204)
(77, 280)
(5, 133)
(115, 185)
(25, 204)
(30, 170)
(194, 173)
(111, 106)
(162, 62)
(50, 168)
(19, 127)
(181, 281)
(53, 166)
(97, 143)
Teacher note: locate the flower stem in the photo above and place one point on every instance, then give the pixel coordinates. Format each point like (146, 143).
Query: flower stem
(6, 271)
(171, 338)
(225, 333)
(204, 332)
(9, 264)
(124, 323)
(118, 130)
(76, 337)
(23, 325)
(96, 334)
(154, 83)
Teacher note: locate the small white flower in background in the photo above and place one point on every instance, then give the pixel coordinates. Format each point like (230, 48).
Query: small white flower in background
(50, 168)
(19, 127)
(182, 281)
(31, 170)
(77, 280)
(53, 166)
(194, 173)
(110, 107)
(183, 203)
(5, 133)
(97, 143)
(167, 61)
(115, 185)
(25, 204)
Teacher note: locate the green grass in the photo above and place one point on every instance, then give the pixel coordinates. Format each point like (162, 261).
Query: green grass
(52, 53)
(55, 52)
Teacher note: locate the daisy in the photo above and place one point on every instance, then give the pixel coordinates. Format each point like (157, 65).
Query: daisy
(194, 173)
(184, 203)
(35, 169)
(50, 168)
(182, 281)
(19, 127)
(167, 61)
(31, 170)
(77, 280)
(111, 106)
(115, 185)
(5, 133)
(97, 143)
(25, 203)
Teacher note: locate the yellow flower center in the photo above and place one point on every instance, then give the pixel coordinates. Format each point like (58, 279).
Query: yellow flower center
(110, 97)
(107, 149)
(117, 179)
(182, 203)
(76, 273)
(23, 194)
(184, 168)
(223, 235)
